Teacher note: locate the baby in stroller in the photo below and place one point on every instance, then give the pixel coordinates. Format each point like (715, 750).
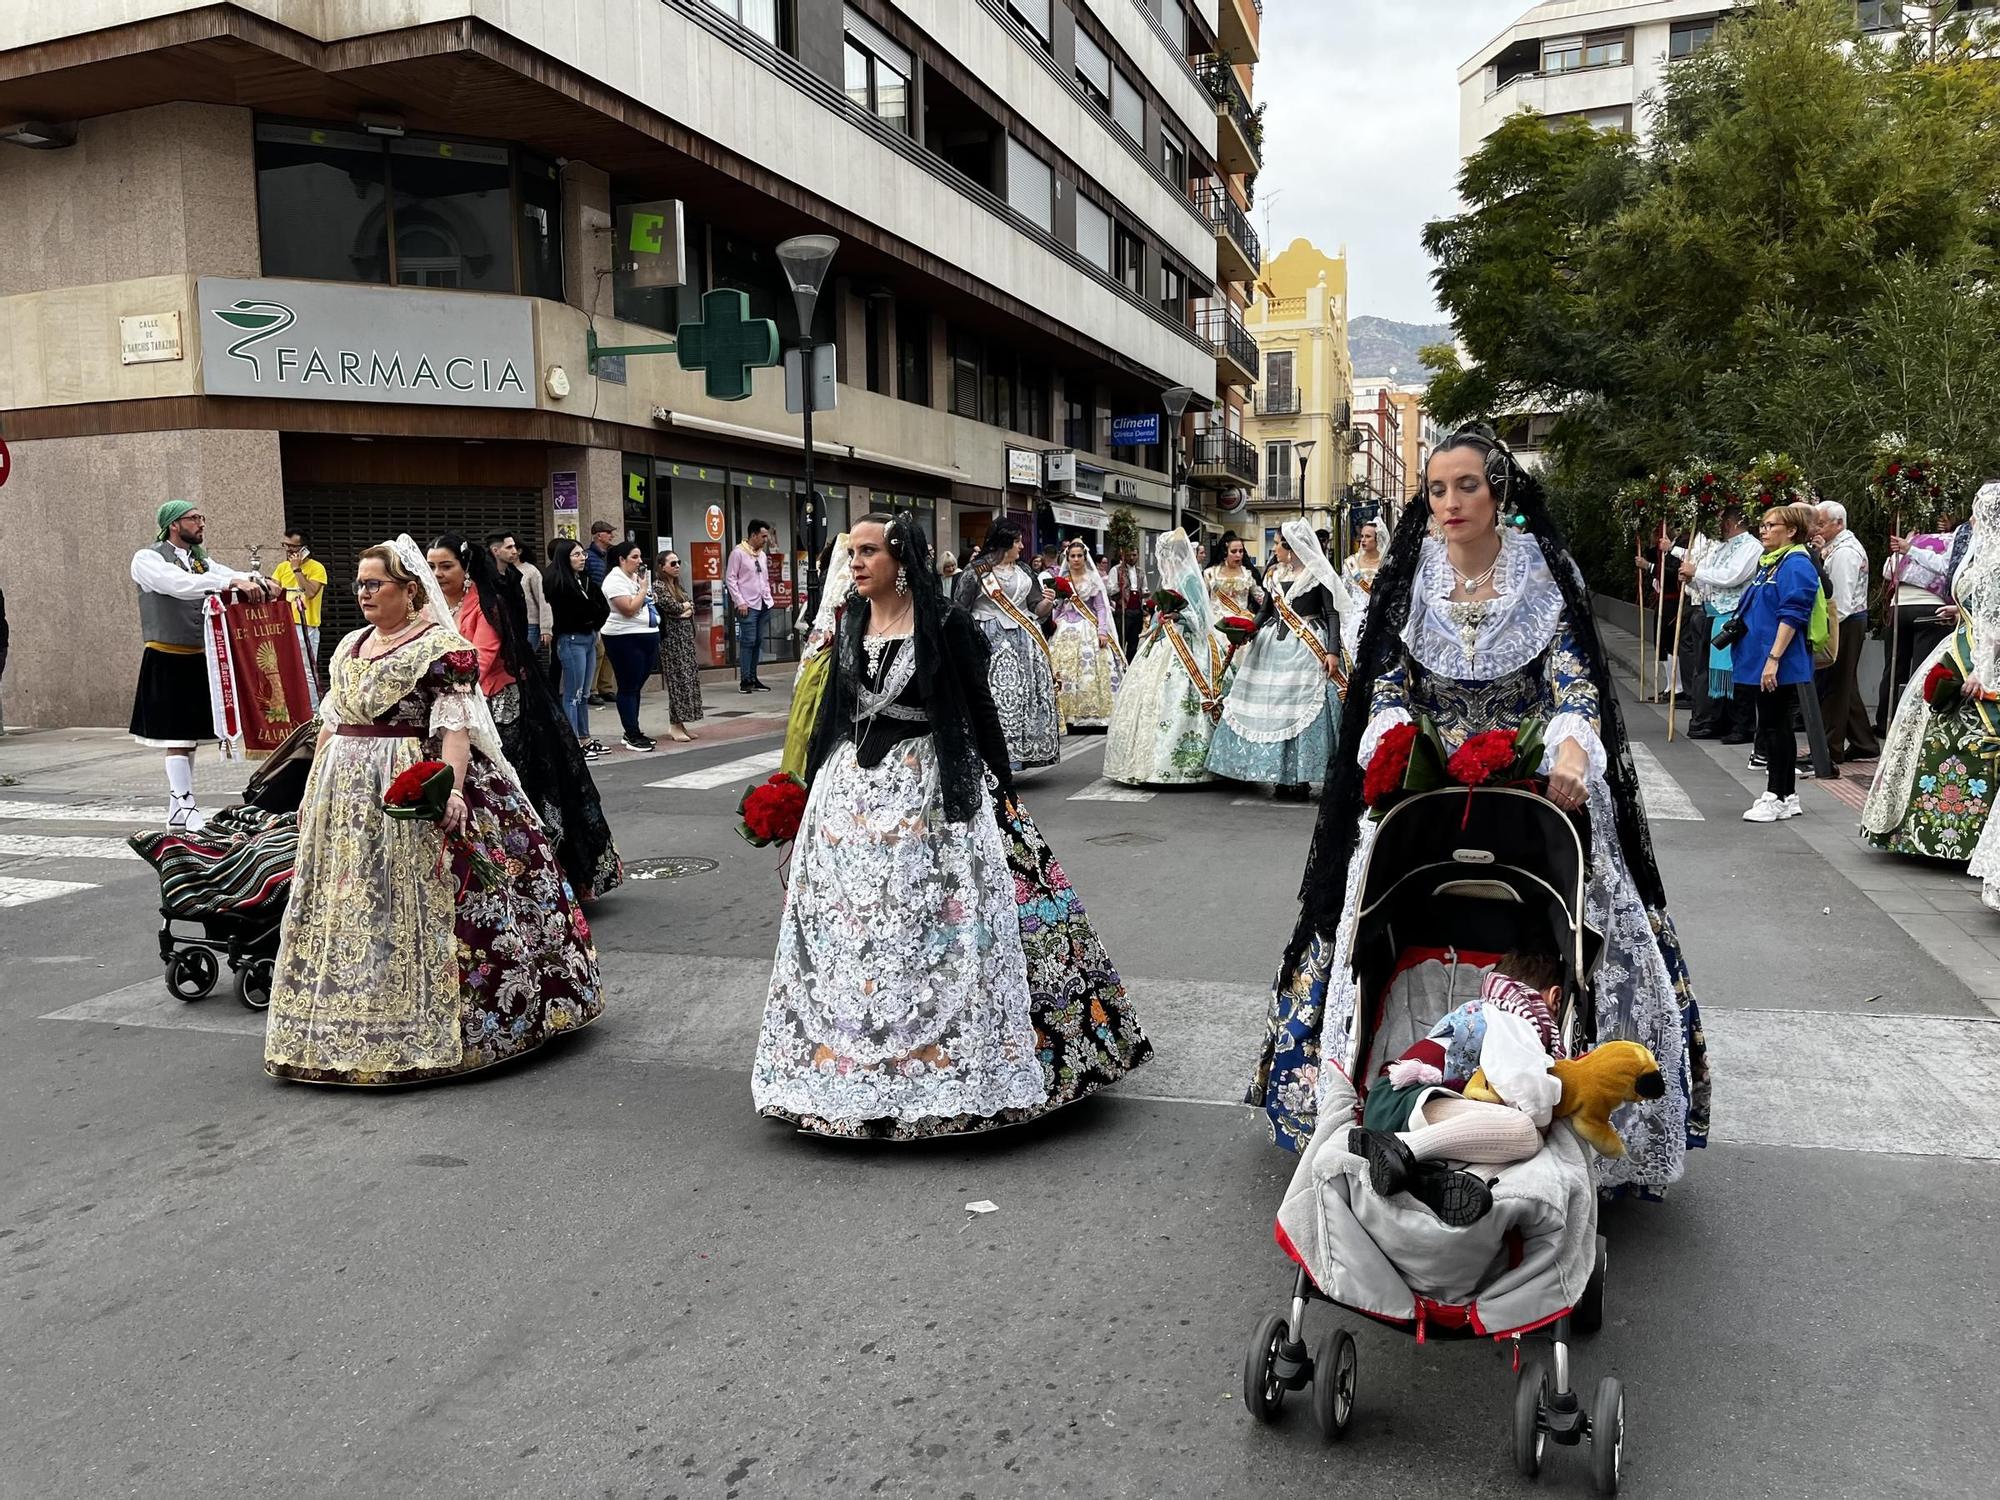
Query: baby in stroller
(1418, 1120)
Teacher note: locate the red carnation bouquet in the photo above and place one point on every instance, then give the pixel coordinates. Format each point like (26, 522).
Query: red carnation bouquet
(1169, 601)
(420, 793)
(771, 811)
(1063, 587)
(1944, 688)
(1414, 758)
(1237, 629)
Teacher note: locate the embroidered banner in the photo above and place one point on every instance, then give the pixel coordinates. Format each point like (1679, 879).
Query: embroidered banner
(261, 685)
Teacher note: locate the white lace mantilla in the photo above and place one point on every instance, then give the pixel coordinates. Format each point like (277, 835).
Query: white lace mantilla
(1513, 628)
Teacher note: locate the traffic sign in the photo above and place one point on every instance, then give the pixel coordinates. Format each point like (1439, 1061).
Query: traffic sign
(6, 463)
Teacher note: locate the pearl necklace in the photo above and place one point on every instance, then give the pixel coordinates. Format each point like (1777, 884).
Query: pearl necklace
(1473, 584)
(390, 642)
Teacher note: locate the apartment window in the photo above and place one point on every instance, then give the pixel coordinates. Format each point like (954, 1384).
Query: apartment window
(760, 16)
(875, 344)
(1277, 389)
(1093, 69)
(1093, 234)
(1278, 471)
(1689, 37)
(1173, 159)
(878, 72)
(1568, 54)
(1128, 107)
(1880, 15)
(1173, 293)
(336, 205)
(1030, 184)
(913, 355)
(1034, 14)
(1131, 268)
(1079, 416)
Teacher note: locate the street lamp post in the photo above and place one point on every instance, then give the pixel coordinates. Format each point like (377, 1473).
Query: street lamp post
(1175, 399)
(805, 259)
(1305, 450)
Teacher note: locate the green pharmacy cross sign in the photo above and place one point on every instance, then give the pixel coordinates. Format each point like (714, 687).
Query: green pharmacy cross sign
(726, 345)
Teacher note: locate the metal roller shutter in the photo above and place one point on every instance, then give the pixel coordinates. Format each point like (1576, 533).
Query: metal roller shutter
(341, 520)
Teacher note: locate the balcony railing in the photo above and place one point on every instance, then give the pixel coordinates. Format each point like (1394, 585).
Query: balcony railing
(1227, 336)
(1218, 76)
(1226, 218)
(1280, 402)
(1222, 457)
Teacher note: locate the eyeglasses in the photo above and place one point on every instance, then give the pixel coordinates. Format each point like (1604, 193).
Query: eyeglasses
(366, 588)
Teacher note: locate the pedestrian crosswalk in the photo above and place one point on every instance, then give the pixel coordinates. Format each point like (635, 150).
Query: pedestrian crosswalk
(1663, 796)
(53, 846)
(18, 810)
(18, 890)
(744, 771)
(24, 856)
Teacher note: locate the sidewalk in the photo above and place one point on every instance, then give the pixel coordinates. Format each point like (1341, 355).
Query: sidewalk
(102, 764)
(1938, 905)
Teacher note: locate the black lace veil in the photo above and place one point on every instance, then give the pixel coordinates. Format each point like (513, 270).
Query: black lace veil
(1522, 504)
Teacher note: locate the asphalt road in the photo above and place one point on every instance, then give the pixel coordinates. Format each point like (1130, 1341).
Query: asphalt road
(601, 1275)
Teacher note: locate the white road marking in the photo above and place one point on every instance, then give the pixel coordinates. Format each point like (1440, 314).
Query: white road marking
(1662, 795)
(17, 890)
(1312, 807)
(60, 812)
(1080, 745)
(52, 846)
(1101, 790)
(1919, 1085)
(748, 769)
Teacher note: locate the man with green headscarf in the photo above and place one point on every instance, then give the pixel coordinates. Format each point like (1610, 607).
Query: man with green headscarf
(171, 709)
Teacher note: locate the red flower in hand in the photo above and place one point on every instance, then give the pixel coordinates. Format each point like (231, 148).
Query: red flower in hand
(1943, 688)
(1482, 758)
(407, 790)
(771, 811)
(1385, 773)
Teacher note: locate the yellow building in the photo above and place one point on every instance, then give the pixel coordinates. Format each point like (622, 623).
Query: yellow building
(1299, 320)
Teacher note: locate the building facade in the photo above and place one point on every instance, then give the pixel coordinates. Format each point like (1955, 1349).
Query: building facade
(1305, 402)
(340, 267)
(1416, 431)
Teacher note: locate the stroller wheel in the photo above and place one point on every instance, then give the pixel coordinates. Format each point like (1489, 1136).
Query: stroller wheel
(1607, 1434)
(1333, 1384)
(253, 983)
(1263, 1391)
(1531, 1397)
(1588, 1314)
(191, 973)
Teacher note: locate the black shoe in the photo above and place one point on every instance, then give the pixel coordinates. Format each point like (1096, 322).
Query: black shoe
(1757, 761)
(1457, 1198)
(1739, 739)
(1389, 1161)
(637, 742)
(744, 687)
(597, 700)
(759, 685)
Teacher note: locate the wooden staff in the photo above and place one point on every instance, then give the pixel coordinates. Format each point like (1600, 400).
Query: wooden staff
(1660, 540)
(1895, 619)
(1680, 611)
(1636, 543)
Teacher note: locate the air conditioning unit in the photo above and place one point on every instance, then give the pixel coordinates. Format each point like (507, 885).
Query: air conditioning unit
(1123, 488)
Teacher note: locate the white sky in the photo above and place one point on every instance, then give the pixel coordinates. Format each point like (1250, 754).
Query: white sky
(1361, 137)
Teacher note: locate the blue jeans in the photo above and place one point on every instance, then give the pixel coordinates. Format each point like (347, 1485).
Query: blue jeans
(577, 655)
(632, 657)
(534, 637)
(750, 642)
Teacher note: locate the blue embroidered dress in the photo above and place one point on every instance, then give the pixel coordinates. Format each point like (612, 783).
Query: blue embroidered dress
(1472, 668)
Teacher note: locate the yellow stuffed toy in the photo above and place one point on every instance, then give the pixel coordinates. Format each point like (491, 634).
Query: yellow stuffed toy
(1594, 1085)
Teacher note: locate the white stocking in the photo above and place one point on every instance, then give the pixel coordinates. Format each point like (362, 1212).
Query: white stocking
(1449, 1128)
(180, 775)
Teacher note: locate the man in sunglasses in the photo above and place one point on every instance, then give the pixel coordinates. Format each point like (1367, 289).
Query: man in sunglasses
(171, 709)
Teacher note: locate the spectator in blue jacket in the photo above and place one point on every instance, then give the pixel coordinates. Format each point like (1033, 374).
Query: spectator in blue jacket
(1776, 609)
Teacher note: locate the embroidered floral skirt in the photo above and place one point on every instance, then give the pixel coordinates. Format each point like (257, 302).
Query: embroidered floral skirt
(1950, 797)
(1279, 722)
(932, 978)
(403, 958)
(1087, 674)
(1024, 692)
(1159, 733)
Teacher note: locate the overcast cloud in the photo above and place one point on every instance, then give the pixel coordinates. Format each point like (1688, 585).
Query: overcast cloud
(1361, 137)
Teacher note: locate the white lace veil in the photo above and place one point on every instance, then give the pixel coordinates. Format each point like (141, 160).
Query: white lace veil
(1316, 568)
(839, 584)
(1180, 570)
(479, 725)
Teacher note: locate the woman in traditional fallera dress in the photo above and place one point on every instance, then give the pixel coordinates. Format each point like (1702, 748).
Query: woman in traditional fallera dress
(1084, 649)
(1940, 772)
(1482, 627)
(1172, 696)
(535, 733)
(1233, 585)
(410, 950)
(935, 972)
(1283, 705)
(1008, 606)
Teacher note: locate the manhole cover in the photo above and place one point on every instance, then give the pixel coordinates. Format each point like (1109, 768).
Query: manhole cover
(668, 867)
(1123, 838)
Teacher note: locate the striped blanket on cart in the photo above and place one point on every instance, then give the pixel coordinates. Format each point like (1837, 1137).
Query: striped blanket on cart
(239, 864)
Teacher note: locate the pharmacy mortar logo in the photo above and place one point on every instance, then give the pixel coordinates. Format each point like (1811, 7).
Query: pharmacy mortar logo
(259, 320)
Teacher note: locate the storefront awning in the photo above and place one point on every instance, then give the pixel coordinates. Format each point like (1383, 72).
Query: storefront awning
(1084, 517)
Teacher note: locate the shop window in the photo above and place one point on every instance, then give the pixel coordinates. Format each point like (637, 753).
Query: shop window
(1030, 185)
(323, 203)
(1093, 234)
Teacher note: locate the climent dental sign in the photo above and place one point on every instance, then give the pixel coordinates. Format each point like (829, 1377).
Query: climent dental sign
(324, 341)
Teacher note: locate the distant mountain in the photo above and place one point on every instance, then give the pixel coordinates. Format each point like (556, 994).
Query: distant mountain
(1377, 344)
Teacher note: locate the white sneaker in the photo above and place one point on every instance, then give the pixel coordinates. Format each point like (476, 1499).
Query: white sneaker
(1790, 807)
(1766, 809)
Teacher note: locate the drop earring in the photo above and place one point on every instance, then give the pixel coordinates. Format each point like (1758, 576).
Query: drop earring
(902, 580)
